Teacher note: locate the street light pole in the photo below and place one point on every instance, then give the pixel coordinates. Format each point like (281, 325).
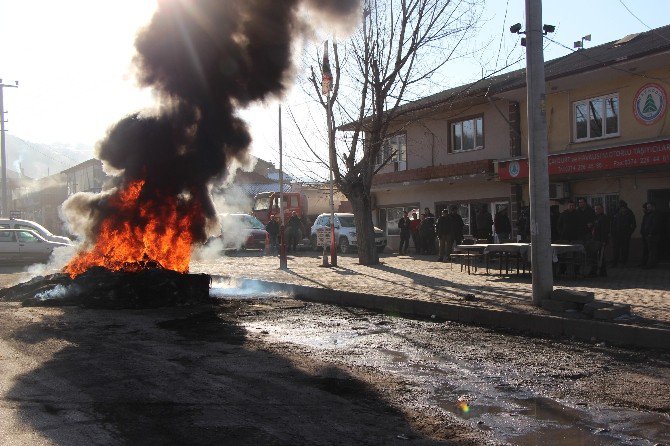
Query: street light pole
(283, 262)
(3, 153)
(538, 181)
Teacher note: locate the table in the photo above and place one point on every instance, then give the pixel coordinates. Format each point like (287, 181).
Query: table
(522, 250)
(472, 252)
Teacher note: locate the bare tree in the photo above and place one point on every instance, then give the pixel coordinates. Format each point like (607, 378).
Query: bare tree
(399, 47)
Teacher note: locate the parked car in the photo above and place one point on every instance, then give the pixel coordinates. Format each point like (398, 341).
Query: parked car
(25, 246)
(17, 223)
(345, 232)
(242, 231)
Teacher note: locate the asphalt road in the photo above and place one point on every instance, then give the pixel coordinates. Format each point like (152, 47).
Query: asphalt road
(272, 370)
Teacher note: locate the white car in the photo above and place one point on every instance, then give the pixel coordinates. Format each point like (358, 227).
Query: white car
(17, 223)
(345, 232)
(25, 246)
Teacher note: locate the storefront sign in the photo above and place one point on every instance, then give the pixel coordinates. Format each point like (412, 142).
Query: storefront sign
(634, 155)
(649, 103)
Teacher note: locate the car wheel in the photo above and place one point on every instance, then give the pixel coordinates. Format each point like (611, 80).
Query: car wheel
(313, 243)
(344, 245)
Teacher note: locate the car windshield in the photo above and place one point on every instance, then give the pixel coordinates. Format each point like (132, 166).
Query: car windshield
(347, 222)
(252, 222)
(262, 204)
(237, 222)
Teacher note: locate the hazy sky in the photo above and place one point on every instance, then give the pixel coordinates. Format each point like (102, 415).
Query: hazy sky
(72, 59)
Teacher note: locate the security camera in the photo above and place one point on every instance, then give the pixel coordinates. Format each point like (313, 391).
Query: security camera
(514, 29)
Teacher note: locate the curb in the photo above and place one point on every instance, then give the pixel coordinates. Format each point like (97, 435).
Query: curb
(539, 324)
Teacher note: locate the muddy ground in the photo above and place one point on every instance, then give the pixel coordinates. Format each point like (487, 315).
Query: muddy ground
(276, 371)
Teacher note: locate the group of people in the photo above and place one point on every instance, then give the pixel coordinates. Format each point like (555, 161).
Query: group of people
(429, 233)
(294, 231)
(595, 230)
(578, 224)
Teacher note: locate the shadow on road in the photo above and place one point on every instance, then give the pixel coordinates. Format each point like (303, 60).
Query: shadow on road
(185, 376)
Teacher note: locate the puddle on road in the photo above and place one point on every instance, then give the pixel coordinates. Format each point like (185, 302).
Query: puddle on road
(487, 401)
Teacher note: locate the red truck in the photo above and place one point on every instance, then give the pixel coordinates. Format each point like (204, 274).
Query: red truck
(308, 204)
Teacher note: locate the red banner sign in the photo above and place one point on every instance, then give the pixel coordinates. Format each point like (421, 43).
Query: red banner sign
(634, 155)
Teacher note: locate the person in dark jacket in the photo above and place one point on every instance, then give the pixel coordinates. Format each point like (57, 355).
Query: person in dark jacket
(294, 230)
(273, 233)
(586, 216)
(623, 226)
(651, 236)
(414, 229)
(484, 221)
(449, 230)
(600, 235)
(403, 225)
(523, 226)
(570, 225)
(502, 226)
(428, 232)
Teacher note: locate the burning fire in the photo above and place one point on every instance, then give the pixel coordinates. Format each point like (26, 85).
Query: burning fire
(141, 234)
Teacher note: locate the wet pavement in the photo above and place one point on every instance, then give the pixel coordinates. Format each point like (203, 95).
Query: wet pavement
(517, 390)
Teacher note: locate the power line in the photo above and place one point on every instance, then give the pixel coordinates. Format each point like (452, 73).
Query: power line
(623, 70)
(640, 20)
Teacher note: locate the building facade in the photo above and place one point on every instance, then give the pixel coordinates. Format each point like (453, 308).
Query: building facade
(608, 137)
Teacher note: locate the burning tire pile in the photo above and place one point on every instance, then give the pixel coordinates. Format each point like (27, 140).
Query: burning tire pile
(101, 288)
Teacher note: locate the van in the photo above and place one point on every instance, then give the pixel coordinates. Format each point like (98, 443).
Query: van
(16, 223)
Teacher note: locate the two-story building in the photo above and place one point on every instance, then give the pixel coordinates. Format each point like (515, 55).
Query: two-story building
(608, 135)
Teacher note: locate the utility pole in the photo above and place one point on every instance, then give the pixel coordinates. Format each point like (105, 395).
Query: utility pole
(538, 181)
(3, 153)
(283, 263)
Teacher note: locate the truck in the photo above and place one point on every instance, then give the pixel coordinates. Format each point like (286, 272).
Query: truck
(307, 202)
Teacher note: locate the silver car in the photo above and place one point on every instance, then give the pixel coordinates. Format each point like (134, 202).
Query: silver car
(25, 246)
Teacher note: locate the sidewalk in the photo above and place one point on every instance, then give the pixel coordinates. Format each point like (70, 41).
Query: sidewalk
(422, 279)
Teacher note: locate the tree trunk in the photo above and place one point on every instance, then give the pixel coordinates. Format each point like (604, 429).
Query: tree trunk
(360, 202)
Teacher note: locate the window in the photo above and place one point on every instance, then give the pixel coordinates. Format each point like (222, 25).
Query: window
(26, 237)
(597, 118)
(7, 236)
(394, 149)
(467, 135)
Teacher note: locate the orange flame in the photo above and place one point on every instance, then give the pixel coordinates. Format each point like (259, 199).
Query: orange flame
(162, 240)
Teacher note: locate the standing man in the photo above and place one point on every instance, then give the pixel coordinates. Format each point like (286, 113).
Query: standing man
(651, 236)
(294, 226)
(586, 218)
(455, 227)
(273, 232)
(484, 222)
(403, 225)
(569, 225)
(600, 236)
(623, 226)
(442, 227)
(502, 225)
(428, 232)
(414, 229)
(523, 225)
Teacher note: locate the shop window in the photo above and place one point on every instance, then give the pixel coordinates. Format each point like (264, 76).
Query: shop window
(390, 216)
(393, 151)
(596, 118)
(467, 135)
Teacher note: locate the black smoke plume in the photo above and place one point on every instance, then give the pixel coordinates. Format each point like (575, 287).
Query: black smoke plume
(204, 59)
